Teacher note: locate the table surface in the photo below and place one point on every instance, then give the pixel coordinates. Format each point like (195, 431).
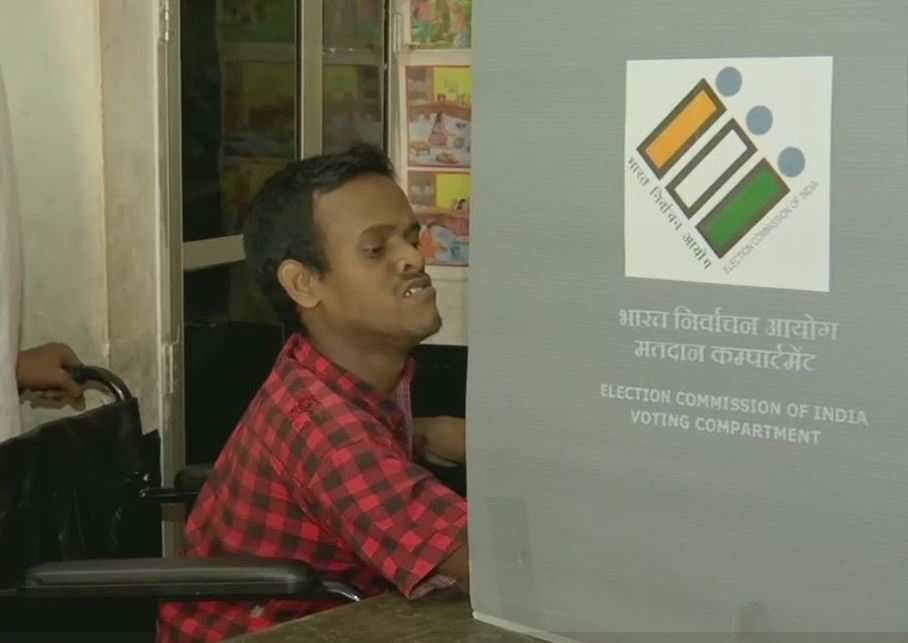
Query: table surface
(441, 617)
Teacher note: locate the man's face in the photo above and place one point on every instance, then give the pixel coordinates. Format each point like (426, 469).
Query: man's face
(376, 282)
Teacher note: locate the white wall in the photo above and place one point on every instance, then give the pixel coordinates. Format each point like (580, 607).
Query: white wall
(132, 197)
(51, 59)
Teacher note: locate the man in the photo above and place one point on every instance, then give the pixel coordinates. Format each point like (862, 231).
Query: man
(42, 369)
(320, 467)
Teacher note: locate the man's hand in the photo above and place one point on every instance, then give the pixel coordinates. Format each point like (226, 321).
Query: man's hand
(43, 370)
(443, 437)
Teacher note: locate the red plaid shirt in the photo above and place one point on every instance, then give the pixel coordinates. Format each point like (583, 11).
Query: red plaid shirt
(318, 470)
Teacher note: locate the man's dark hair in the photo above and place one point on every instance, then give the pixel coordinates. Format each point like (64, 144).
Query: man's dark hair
(281, 223)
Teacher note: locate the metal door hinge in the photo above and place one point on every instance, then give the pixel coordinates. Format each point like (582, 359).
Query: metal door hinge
(169, 368)
(166, 23)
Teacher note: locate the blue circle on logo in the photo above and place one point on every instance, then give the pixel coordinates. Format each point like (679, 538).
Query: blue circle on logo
(728, 81)
(759, 120)
(792, 162)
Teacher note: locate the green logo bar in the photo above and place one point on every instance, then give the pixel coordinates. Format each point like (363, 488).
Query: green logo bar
(742, 208)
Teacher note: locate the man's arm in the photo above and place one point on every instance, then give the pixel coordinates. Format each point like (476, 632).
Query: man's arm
(44, 370)
(457, 565)
(394, 514)
(443, 437)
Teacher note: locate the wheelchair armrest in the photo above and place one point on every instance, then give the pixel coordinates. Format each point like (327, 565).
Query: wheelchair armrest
(168, 495)
(188, 483)
(180, 579)
(192, 478)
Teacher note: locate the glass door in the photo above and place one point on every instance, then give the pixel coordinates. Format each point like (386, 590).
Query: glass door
(255, 84)
(240, 78)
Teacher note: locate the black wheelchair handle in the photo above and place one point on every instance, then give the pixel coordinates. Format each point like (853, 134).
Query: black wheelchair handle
(117, 387)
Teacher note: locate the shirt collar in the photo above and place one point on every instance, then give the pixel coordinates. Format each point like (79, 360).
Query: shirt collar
(353, 388)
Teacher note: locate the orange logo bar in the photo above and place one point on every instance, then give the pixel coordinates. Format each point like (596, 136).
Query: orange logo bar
(681, 128)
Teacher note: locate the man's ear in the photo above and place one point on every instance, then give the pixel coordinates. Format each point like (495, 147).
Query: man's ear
(300, 283)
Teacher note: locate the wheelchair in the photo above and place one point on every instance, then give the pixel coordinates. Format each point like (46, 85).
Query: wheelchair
(80, 533)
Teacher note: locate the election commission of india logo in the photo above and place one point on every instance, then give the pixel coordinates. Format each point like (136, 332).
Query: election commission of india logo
(727, 171)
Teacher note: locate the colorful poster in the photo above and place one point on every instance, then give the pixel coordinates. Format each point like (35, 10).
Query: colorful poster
(241, 179)
(441, 201)
(259, 116)
(439, 114)
(352, 109)
(352, 24)
(271, 21)
(441, 24)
